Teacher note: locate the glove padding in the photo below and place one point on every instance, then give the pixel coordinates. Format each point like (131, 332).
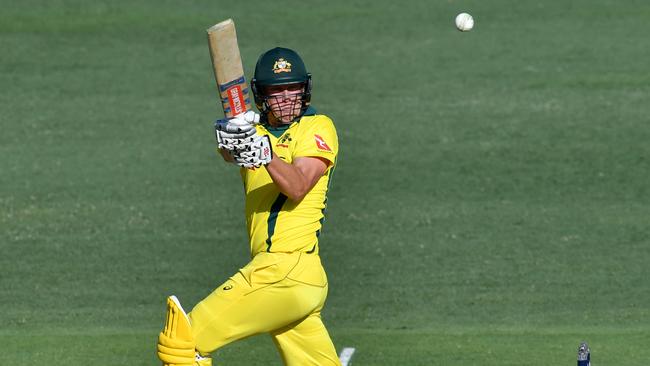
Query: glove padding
(255, 154)
(234, 133)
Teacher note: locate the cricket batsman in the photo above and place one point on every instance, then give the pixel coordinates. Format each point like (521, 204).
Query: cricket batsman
(286, 156)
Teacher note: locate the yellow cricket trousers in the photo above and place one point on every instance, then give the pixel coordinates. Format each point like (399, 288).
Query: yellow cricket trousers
(277, 293)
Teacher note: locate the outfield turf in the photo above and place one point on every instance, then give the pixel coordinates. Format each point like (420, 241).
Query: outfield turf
(491, 204)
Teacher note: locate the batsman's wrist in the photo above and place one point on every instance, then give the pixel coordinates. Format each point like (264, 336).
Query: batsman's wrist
(226, 155)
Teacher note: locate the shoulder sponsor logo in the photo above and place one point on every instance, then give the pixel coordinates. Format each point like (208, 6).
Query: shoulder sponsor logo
(321, 144)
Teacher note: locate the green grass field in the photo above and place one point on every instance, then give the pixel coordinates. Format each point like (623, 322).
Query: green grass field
(491, 204)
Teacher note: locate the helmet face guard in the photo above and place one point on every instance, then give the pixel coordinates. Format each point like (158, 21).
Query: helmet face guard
(275, 104)
(275, 68)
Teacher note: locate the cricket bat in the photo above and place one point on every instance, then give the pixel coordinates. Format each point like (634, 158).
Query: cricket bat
(228, 69)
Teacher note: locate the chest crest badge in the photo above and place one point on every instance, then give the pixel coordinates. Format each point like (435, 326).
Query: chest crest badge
(284, 140)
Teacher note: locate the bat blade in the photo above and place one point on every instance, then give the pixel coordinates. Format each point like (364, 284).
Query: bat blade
(228, 68)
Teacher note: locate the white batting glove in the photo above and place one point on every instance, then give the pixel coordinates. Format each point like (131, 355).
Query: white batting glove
(256, 154)
(233, 133)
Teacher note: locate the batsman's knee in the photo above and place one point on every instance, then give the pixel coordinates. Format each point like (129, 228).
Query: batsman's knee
(176, 344)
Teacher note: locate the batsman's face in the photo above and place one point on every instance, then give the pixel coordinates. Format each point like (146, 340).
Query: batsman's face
(285, 101)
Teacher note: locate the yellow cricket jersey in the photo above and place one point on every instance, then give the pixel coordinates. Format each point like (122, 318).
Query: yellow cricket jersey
(275, 223)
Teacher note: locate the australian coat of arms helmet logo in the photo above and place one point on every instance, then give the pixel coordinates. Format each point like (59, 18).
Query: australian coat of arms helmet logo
(281, 65)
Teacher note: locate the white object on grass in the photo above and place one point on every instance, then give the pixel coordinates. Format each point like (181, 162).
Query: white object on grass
(346, 356)
(464, 22)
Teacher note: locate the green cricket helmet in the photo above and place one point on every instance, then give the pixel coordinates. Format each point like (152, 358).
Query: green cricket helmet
(280, 66)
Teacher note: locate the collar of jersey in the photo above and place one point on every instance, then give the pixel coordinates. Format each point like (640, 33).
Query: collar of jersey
(279, 130)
